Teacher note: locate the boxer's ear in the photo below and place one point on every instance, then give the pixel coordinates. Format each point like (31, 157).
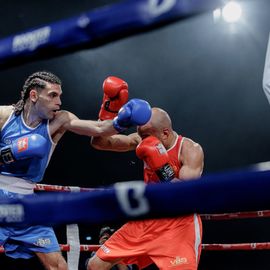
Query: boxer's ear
(33, 95)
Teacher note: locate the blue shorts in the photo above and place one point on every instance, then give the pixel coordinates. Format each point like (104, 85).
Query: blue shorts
(23, 242)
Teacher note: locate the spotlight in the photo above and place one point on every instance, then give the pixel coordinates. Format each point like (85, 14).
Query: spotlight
(231, 12)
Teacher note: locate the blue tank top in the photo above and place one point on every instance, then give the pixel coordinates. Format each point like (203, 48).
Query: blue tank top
(31, 169)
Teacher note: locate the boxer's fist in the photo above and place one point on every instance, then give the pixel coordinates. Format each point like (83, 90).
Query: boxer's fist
(154, 154)
(135, 112)
(25, 147)
(114, 97)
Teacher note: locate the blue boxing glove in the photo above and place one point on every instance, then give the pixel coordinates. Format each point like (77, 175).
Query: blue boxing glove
(135, 112)
(24, 147)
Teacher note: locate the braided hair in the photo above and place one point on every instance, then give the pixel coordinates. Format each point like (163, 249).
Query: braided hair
(36, 80)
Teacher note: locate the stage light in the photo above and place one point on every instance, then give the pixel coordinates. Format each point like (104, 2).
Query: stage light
(231, 12)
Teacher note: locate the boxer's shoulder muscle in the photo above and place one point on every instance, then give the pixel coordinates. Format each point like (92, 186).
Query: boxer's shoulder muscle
(58, 124)
(5, 112)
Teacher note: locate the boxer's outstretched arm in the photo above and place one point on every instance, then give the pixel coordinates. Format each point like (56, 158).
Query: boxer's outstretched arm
(135, 112)
(266, 73)
(117, 143)
(68, 121)
(92, 128)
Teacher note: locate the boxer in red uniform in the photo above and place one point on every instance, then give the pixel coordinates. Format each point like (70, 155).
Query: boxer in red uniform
(167, 242)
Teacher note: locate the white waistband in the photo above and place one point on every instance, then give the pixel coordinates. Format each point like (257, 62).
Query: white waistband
(16, 185)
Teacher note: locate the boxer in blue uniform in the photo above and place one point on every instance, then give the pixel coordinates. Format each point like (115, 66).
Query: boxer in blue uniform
(30, 130)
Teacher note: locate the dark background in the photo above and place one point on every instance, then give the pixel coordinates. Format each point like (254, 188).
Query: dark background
(206, 74)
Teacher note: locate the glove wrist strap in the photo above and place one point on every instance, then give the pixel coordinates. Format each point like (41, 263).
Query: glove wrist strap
(165, 173)
(6, 156)
(107, 107)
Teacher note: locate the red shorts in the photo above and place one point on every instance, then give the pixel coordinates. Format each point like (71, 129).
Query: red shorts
(169, 243)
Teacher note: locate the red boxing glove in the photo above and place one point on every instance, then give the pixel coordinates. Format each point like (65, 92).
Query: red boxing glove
(154, 154)
(115, 96)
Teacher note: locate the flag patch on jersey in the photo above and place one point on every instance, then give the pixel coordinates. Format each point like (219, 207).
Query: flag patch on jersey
(22, 144)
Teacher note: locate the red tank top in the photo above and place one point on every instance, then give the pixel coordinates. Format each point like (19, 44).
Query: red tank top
(174, 153)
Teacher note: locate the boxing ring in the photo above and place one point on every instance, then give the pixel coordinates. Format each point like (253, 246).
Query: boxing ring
(217, 197)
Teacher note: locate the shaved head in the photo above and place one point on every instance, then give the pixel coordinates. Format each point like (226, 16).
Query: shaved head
(159, 125)
(160, 119)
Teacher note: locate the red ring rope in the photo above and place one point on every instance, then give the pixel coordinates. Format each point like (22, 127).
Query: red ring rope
(241, 246)
(227, 216)
(208, 247)
(43, 187)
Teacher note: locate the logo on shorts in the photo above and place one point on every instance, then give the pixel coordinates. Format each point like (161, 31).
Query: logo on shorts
(105, 249)
(42, 242)
(178, 260)
(22, 144)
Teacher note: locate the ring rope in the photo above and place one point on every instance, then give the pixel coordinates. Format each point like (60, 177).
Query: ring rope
(225, 216)
(57, 188)
(237, 215)
(239, 246)
(206, 247)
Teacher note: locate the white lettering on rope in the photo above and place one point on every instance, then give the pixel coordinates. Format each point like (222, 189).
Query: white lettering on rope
(11, 212)
(31, 40)
(156, 8)
(126, 192)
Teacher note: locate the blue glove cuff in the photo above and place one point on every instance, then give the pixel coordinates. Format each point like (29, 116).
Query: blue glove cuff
(117, 126)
